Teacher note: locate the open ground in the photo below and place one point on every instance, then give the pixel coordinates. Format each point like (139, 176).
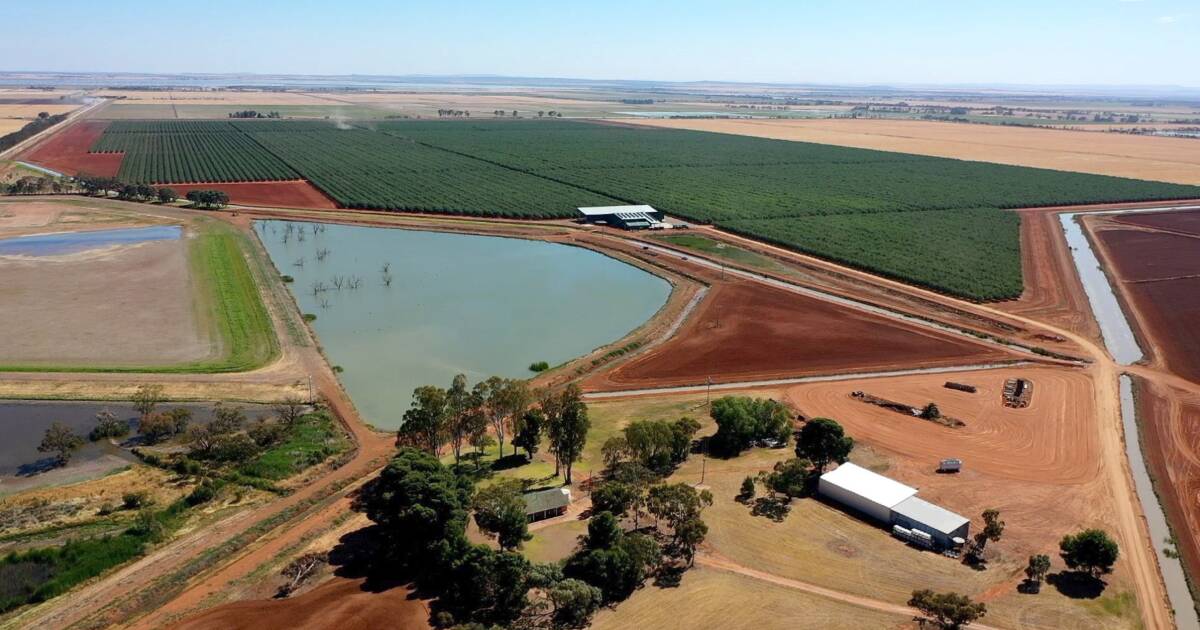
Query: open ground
(1067, 456)
(1141, 157)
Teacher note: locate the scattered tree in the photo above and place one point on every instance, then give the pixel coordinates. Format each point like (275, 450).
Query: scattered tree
(947, 610)
(614, 496)
(530, 435)
(568, 429)
(500, 510)
(108, 426)
(60, 440)
(167, 195)
(146, 398)
(289, 410)
(789, 478)
(823, 441)
(574, 602)
(993, 527)
(425, 422)
(1091, 551)
(1036, 570)
(741, 420)
(748, 490)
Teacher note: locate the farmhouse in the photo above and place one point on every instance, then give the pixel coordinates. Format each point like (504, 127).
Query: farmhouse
(624, 217)
(546, 504)
(895, 504)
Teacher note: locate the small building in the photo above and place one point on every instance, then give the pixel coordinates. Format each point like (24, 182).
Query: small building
(545, 504)
(624, 217)
(895, 505)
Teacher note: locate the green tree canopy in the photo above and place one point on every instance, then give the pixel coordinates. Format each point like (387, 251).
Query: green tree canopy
(1091, 550)
(823, 441)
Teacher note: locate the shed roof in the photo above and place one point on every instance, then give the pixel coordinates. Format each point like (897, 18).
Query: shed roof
(926, 513)
(868, 485)
(543, 500)
(604, 210)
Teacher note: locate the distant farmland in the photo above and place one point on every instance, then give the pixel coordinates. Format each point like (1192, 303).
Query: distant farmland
(930, 221)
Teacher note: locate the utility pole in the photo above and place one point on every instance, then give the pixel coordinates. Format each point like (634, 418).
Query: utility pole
(708, 392)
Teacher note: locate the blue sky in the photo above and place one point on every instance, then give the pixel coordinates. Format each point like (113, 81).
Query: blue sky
(1112, 42)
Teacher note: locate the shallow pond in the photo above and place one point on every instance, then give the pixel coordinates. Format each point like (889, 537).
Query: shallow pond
(477, 305)
(71, 242)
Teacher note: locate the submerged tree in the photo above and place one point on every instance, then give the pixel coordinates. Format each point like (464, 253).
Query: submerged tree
(60, 440)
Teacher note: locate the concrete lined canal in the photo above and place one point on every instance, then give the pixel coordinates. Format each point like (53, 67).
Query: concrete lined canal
(479, 305)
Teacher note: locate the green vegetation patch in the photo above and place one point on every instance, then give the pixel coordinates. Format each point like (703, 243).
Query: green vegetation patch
(238, 312)
(314, 438)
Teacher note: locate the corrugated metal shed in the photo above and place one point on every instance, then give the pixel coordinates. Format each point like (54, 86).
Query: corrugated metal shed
(605, 210)
(871, 486)
(934, 517)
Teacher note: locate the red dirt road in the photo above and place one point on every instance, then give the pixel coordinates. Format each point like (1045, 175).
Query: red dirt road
(341, 603)
(290, 194)
(748, 331)
(67, 151)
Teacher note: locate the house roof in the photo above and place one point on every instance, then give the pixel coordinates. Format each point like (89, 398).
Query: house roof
(868, 485)
(543, 500)
(926, 513)
(605, 210)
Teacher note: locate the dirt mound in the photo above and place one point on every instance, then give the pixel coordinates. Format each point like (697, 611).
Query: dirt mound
(290, 194)
(340, 603)
(748, 331)
(67, 151)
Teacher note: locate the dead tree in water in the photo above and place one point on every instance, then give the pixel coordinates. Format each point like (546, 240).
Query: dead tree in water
(387, 266)
(387, 279)
(321, 254)
(318, 287)
(339, 282)
(299, 262)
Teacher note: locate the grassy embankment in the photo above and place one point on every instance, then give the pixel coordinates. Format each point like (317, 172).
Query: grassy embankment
(228, 301)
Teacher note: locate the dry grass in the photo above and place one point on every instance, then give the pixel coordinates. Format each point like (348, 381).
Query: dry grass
(1140, 157)
(710, 598)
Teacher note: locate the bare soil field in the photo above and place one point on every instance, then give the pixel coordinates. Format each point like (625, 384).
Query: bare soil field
(67, 151)
(1159, 275)
(349, 604)
(1141, 157)
(745, 331)
(1187, 222)
(1169, 420)
(98, 299)
(291, 194)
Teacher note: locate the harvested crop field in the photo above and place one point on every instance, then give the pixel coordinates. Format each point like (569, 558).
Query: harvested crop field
(291, 194)
(100, 301)
(1123, 155)
(1159, 275)
(1169, 420)
(747, 331)
(348, 604)
(67, 151)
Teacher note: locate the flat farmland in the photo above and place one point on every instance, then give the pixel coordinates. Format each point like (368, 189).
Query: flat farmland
(1141, 157)
(1159, 275)
(744, 331)
(932, 222)
(67, 151)
(1185, 222)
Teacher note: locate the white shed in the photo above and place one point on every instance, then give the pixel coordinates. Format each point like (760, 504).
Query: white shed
(860, 489)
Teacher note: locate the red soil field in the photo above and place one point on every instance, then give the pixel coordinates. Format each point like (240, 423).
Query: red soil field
(1170, 425)
(1188, 222)
(290, 194)
(339, 603)
(67, 151)
(1167, 310)
(747, 331)
(1143, 255)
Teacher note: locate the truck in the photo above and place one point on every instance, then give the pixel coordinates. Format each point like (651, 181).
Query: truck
(950, 465)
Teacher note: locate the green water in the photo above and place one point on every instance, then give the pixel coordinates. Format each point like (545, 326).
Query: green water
(478, 305)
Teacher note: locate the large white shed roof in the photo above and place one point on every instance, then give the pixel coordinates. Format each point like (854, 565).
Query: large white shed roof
(868, 485)
(604, 210)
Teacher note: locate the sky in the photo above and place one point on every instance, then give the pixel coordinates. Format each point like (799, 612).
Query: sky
(1043, 42)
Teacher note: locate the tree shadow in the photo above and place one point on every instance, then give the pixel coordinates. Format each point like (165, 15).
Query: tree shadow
(509, 462)
(670, 576)
(43, 465)
(1077, 584)
(1029, 587)
(362, 553)
(775, 509)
